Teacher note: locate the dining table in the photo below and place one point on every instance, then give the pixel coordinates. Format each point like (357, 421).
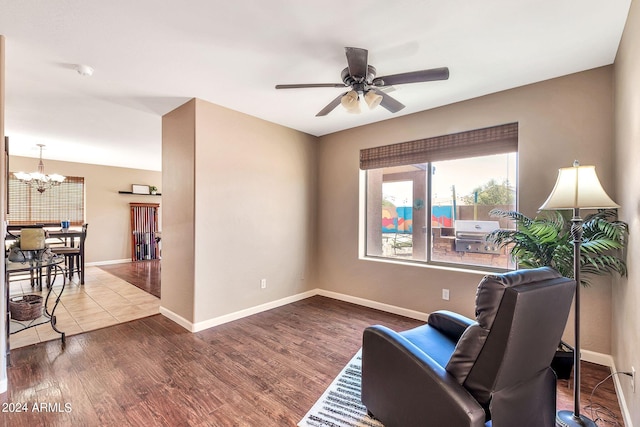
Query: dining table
(71, 237)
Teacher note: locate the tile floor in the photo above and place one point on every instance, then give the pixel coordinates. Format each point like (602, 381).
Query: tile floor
(103, 300)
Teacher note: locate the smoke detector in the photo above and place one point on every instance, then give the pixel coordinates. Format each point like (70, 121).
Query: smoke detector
(84, 70)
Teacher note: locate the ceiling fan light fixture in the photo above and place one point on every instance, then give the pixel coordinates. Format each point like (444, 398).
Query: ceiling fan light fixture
(372, 99)
(350, 101)
(361, 78)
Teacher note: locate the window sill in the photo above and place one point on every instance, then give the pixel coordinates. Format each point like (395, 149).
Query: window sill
(476, 270)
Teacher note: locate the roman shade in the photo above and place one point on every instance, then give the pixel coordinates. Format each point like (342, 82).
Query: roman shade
(474, 143)
(63, 202)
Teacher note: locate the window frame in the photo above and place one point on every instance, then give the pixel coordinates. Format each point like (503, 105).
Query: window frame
(365, 216)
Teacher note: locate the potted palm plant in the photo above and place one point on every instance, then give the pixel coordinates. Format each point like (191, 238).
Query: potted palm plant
(546, 241)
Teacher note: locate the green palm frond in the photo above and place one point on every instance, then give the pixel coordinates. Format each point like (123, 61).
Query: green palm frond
(599, 245)
(546, 241)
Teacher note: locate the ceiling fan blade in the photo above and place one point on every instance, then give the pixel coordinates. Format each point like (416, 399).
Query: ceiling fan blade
(413, 77)
(388, 102)
(330, 106)
(357, 59)
(306, 85)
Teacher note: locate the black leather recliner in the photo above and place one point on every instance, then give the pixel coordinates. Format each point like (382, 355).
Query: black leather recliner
(455, 372)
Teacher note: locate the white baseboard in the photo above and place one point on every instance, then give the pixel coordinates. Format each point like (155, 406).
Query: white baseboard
(586, 355)
(598, 358)
(624, 408)
(374, 304)
(176, 318)
(206, 324)
(210, 323)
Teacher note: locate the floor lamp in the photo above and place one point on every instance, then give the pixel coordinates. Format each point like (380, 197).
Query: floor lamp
(577, 187)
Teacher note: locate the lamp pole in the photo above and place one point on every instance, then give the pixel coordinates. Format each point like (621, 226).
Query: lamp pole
(577, 187)
(568, 418)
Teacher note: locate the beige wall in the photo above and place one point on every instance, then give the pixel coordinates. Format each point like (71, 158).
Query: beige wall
(254, 188)
(107, 212)
(178, 175)
(559, 120)
(626, 293)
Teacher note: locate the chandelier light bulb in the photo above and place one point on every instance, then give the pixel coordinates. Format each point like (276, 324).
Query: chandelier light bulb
(39, 180)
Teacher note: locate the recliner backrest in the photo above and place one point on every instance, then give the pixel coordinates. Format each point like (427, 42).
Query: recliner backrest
(520, 316)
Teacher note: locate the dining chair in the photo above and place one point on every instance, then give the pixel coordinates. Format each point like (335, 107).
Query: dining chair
(28, 243)
(73, 255)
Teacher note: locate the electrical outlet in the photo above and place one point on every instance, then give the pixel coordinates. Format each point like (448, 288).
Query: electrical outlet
(263, 284)
(445, 294)
(633, 379)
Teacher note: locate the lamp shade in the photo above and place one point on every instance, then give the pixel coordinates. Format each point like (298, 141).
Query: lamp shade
(350, 102)
(23, 176)
(372, 99)
(56, 177)
(578, 187)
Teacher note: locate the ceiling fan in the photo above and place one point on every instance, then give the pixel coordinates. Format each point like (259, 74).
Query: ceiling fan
(361, 78)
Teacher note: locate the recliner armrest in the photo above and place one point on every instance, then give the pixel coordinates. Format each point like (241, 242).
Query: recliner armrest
(451, 324)
(402, 385)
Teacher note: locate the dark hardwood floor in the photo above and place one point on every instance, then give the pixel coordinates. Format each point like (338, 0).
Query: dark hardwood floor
(603, 407)
(264, 370)
(143, 274)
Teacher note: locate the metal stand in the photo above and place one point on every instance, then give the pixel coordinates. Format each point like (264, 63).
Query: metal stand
(47, 316)
(568, 418)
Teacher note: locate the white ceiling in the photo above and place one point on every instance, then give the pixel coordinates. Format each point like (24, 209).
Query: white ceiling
(150, 56)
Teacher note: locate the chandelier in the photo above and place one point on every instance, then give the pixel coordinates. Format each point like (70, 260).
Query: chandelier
(39, 180)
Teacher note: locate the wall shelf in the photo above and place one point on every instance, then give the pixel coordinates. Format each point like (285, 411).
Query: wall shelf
(138, 194)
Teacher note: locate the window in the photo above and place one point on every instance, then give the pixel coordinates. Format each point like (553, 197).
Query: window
(429, 200)
(28, 206)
